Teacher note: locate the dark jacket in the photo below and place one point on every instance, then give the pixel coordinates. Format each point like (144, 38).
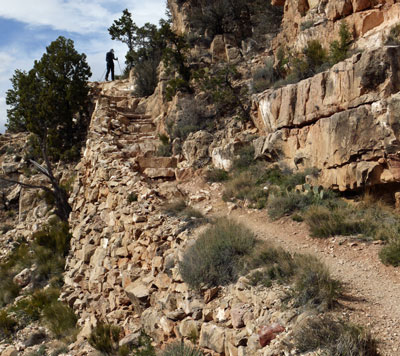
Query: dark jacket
(110, 57)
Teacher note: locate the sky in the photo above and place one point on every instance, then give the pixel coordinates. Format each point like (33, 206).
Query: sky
(27, 27)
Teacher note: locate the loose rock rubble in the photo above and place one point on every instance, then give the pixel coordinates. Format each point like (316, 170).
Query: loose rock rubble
(123, 264)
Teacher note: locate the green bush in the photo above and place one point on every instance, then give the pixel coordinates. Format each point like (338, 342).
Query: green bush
(132, 197)
(31, 308)
(306, 25)
(180, 349)
(164, 150)
(273, 264)
(334, 338)
(244, 186)
(313, 284)
(264, 77)
(18, 259)
(105, 338)
(7, 325)
(371, 223)
(325, 222)
(315, 56)
(288, 203)
(216, 175)
(60, 319)
(146, 77)
(41, 351)
(339, 48)
(244, 159)
(181, 209)
(390, 254)
(394, 36)
(217, 256)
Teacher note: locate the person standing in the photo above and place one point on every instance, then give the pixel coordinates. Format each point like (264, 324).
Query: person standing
(110, 58)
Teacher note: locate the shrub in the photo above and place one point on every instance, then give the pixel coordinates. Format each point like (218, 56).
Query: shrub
(180, 349)
(264, 77)
(273, 264)
(217, 175)
(340, 48)
(30, 308)
(105, 338)
(335, 338)
(132, 197)
(244, 186)
(164, 150)
(221, 84)
(217, 256)
(394, 36)
(51, 245)
(6, 228)
(325, 222)
(60, 319)
(244, 159)
(146, 77)
(306, 25)
(7, 325)
(390, 254)
(288, 203)
(59, 351)
(315, 56)
(144, 347)
(370, 222)
(15, 262)
(190, 117)
(41, 351)
(313, 285)
(181, 209)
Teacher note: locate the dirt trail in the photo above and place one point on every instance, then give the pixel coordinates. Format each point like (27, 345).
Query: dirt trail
(372, 290)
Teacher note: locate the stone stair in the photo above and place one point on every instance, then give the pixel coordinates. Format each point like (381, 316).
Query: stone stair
(134, 133)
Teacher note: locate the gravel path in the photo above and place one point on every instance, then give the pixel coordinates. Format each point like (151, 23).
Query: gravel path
(372, 290)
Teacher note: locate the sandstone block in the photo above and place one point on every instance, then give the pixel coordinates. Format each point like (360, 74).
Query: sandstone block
(237, 313)
(10, 351)
(23, 278)
(159, 172)
(137, 291)
(268, 333)
(360, 5)
(212, 337)
(189, 328)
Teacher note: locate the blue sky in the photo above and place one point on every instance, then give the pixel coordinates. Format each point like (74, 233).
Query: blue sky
(27, 27)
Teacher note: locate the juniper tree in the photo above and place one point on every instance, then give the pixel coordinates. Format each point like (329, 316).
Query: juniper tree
(51, 102)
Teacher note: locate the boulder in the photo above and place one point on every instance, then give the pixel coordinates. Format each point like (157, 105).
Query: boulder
(212, 337)
(268, 333)
(237, 313)
(23, 278)
(10, 351)
(195, 148)
(217, 49)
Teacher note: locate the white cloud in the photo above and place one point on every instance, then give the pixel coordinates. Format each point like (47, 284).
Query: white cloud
(89, 19)
(3, 113)
(80, 16)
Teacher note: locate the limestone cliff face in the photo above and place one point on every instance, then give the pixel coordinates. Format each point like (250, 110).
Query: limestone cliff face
(343, 121)
(303, 20)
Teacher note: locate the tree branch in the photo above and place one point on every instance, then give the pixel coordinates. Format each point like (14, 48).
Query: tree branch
(25, 185)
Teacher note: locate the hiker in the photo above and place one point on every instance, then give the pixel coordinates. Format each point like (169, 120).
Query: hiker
(110, 64)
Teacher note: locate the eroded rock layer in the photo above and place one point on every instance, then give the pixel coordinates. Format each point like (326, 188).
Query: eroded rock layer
(343, 121)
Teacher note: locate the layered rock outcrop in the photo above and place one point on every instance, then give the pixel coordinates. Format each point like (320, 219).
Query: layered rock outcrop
(304, 20)
(123, 263)
(343, 122)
